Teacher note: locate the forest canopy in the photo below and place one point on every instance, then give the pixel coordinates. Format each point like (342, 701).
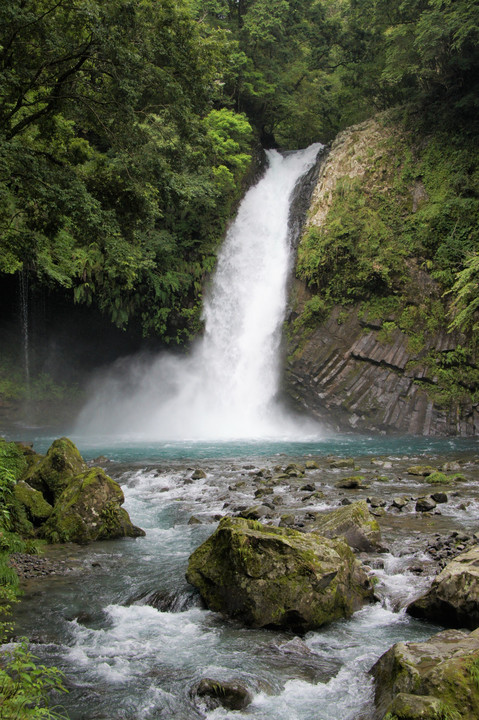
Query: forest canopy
(128, 127)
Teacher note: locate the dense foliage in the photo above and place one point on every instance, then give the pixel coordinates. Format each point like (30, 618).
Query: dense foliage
(25, 686)
(308, 68)
(126, 127)
(118, 168)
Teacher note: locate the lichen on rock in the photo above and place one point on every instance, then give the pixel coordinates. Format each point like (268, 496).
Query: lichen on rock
(354, 524)
(453, 598)
(429, 680)
(89, 509)
(51, 474)
(277, 577)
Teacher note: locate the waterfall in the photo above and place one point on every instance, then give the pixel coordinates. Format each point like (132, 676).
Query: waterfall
(24, 313)
(227, 387)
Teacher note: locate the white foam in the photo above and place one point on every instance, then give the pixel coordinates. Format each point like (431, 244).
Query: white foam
(227, 387)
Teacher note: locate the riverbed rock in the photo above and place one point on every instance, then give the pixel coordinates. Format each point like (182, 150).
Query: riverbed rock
(453, 598)
(277, 577)
(421, 470)
(416, 680)
(353, 482)
(354, 524)
(399, 502)
(51, 474)
(439, 497)
(89, 509)
(425, 504)
(342, 463)
(217, 693)
(37, 508)
(294, 470)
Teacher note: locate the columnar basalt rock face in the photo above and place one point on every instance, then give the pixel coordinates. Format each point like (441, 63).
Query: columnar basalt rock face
(270, 576)
(347, 376)
(429, 680)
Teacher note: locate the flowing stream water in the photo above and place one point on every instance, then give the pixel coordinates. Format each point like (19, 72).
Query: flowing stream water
(132, 636)
(123, 624)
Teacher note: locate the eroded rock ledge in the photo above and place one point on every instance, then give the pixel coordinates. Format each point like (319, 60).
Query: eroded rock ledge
(345, 375)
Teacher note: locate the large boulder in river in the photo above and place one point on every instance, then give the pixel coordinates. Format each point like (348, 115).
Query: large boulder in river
(50, 474)
(430, 680)
(89, 509)
(453, 598)
(354, 524)
(277, 577)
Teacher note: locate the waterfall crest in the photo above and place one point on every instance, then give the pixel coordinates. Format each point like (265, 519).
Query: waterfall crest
(227, 387)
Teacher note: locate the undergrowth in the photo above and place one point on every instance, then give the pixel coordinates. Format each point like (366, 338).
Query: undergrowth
(26, 687)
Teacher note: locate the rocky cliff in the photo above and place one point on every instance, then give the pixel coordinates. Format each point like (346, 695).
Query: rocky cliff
(374, 353)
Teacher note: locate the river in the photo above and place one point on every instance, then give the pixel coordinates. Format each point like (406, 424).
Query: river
(132, 636)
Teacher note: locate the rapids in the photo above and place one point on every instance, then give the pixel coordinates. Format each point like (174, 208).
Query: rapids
(131, 634)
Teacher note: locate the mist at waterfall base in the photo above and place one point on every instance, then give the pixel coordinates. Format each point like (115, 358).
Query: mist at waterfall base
(227, 387)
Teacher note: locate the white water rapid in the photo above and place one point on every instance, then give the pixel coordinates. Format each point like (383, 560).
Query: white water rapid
(227, 387)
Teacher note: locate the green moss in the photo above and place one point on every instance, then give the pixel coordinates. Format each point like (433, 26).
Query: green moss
(12, 461)
(394, 242)
(51, 474)
(89, 509)
(474, 672)
(38, 509)
(439, 478)
(267, 575)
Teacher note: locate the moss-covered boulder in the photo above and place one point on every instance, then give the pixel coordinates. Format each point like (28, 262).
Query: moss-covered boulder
(52, 473)
(37, 508)
(431, 680)
(417, 707)
(277, 577)
(89, 509)
(353, 523)
(453, 598)
(421, 470)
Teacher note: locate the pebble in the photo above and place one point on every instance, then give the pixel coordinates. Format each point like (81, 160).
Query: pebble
(30, 566)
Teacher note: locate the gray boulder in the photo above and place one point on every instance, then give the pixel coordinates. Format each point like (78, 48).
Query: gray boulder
(354, 524)
(431, 680)
(277, 577)
(453, 598)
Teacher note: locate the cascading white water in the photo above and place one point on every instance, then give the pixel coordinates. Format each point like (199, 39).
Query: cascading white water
(25, 326)
(227, 387)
